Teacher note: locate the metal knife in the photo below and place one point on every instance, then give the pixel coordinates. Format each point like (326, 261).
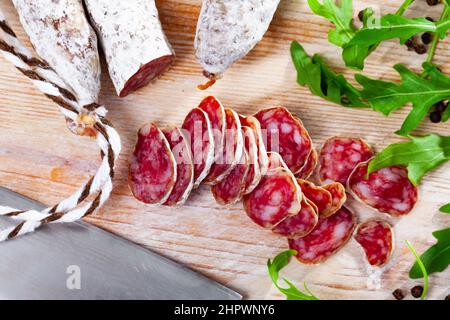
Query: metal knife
(81, 261)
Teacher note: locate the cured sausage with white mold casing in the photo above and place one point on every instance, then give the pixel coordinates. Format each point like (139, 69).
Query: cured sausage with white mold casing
(228, 29)
(61, 35)
(134, 43)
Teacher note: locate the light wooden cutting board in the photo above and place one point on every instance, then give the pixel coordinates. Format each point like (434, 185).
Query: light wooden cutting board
(40, 158)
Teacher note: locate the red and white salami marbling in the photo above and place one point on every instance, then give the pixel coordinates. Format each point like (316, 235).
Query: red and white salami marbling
(286, 135)
(321, 197)
(251, 147)
(329, 235)
(253, 123)
(339, 156)
(198, 127)
(181, 151)
(387, 190)
(232, 150)
(376, 237)
(231, 189)
(276, 197)
(338, 196)
(216, 113)
(135, 46)
(299, 225)
(153, 171)
(311, 163)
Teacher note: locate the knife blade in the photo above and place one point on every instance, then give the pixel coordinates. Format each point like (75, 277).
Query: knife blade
(81, 261)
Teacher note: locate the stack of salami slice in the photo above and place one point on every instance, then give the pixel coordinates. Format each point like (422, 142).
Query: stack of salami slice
(265, 160)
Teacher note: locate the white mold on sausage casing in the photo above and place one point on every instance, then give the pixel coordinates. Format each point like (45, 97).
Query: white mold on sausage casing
(228, 29)
(132, 37)
(62, 36)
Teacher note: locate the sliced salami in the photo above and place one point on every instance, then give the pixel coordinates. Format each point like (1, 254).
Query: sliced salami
(232, 150)
(253, 123)
(339, 156)
(338, 196)
(275, 161)
(254, 173)
(181, 151)
(321, 197)
(231, 189)
(153, 170)
(62, 36)
(307, 170)
(329, 235)
(299, 225)
(276, 197)
(286, 135)
(228, 30)
(216, 113)
(134, 43)
(387, 190)
(377, 240)
(198, 128)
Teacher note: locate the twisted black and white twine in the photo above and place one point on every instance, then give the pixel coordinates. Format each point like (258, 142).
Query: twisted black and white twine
(99, 186)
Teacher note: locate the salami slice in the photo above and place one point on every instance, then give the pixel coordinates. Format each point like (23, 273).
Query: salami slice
(231, 189)
(228, 30)
(276, 197)
(216, 113)
(253, 123)
(153, 171)
(307, 170)
(285, 135)
(299, 225)
(232, 150)
(198, 128)
(338, 195)
(275, 161)
(321, 197)
(134, 43)
(181, 151)
(339, 156)
(254, 173)
(62, 36)
(377, 240)
(387, 190)
(329, 235)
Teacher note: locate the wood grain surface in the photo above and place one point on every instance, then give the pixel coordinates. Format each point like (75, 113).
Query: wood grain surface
(40, 158)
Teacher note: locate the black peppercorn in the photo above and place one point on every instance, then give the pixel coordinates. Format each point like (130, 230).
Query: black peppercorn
(420, 49)
(427, 37)
(440, 106)
(361, 15)
(410, 42)
(398, 294)
(430, 19)
(435, 117)
(432, 2)
(417, 291)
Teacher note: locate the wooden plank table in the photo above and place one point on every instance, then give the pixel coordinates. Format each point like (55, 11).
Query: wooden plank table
(41, 159)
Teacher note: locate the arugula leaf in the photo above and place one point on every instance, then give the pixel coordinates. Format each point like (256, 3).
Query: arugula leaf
(445, 208)
(386, 96)
(322, 81)
(419, 155)
(436, 258)
(341, 16)
(292, 293)
(422, 268)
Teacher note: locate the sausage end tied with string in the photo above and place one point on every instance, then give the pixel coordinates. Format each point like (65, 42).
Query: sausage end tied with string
(87, 120)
